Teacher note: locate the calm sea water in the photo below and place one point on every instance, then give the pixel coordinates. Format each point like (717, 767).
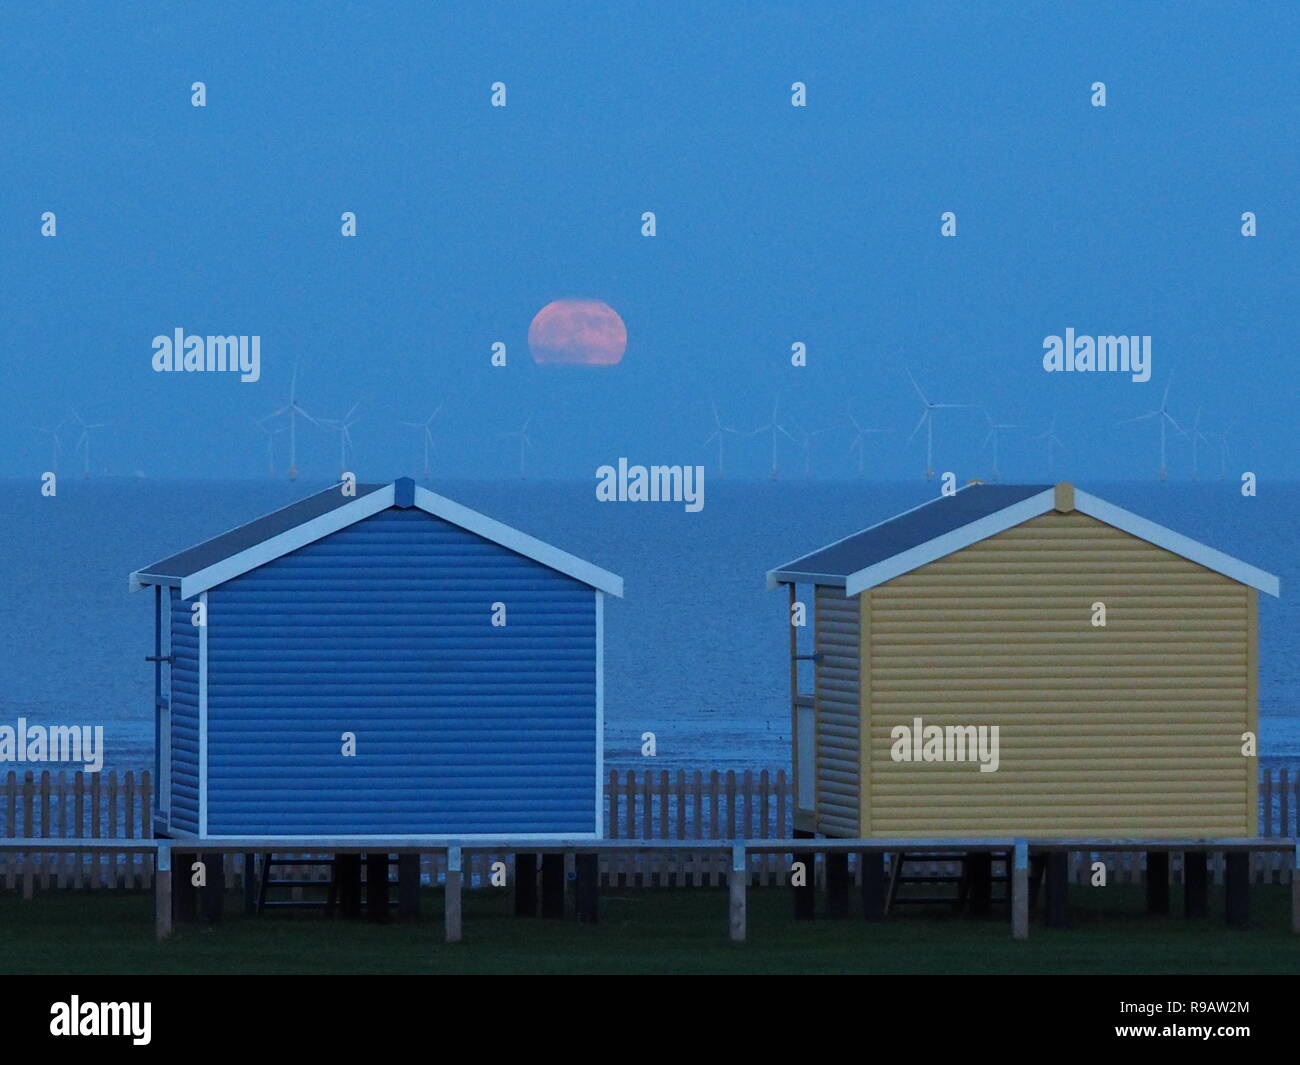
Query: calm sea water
(696, 652)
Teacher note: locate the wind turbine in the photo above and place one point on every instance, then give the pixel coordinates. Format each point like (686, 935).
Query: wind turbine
(805, 445)
(293, 408)
(342, 427)
(719, 431)
(994, 429)
(53, 434)
(428, 436)
(1166, 419)
(271, 434)
(524, 443)
(1052, 442)
(1197, 437)
(927, 419)
(775, 427)
(1223, 456)
(859, 444)
(83, 443)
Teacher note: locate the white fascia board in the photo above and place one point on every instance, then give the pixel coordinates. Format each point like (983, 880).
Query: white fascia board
(139, 579)
(940, 546)
(1189, 549)
(520, 543)
(778, 577)
(289, 540)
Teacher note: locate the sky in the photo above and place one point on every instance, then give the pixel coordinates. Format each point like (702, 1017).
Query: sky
(775, 224)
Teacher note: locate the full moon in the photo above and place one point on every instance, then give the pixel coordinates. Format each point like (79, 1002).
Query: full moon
(577, 333)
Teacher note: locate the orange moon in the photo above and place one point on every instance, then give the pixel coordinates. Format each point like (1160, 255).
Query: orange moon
(577, 333)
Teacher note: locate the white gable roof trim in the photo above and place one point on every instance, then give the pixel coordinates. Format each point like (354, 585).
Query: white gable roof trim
(1042, 503)
(372, 503)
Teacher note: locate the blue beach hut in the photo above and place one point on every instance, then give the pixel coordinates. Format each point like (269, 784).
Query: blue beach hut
(384, 664)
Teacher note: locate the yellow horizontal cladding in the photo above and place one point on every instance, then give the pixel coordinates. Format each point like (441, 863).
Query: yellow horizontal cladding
(1134, 728)
(836, 679)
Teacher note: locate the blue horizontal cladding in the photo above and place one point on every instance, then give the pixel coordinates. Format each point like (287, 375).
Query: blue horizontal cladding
(184, 814)
(383, 629)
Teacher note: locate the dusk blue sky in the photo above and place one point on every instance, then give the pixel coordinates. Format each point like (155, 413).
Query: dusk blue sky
(775, 224)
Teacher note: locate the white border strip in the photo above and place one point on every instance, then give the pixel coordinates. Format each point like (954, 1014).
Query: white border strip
(972, 533)
(600, 713)
(203, 719)
(1208, 557)
(520, 543)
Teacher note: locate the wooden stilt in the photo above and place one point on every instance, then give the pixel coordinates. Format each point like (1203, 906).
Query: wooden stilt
(451, 897)
(212, 897)
(586, 889)
(979, 875)
(805, 897)
(1019, 890)
(377, 888)
(552, 885)
(1295, 890)
(1196, 881)
(525, 885)
(408, 886)
(185, 896)
(1157, 883)
(250, 884)
(347, 878)
(837, 886)
(873, 885)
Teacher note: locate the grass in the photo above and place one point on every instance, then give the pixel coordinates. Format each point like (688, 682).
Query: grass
(645, 931)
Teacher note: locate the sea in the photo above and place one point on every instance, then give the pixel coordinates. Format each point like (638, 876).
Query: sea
(696, 651)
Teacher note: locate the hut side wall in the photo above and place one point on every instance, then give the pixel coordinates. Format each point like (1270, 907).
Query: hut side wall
(836, 688)
(1131, 729)
(383, 629)
(184, 816)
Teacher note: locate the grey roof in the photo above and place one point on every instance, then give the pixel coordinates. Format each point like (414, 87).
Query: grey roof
(906, 531)
(201, 556)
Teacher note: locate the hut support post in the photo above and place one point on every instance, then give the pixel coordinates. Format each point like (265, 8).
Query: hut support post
(525, 885)
(1295, 890)
(552, 885)
(736, 888)
(408, 886)
(377, 887)
(212, 895)
(1020, 890)
(1157, 883)
(586, 890)
(162, 891)
(1058, 889)
(873, 885)
(1236, 887)
(837, 885)
(805, 895)
(250, 884)
(347, 876)
(185, 896)
(451, 903)
(979, 874)
(1196, 879)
